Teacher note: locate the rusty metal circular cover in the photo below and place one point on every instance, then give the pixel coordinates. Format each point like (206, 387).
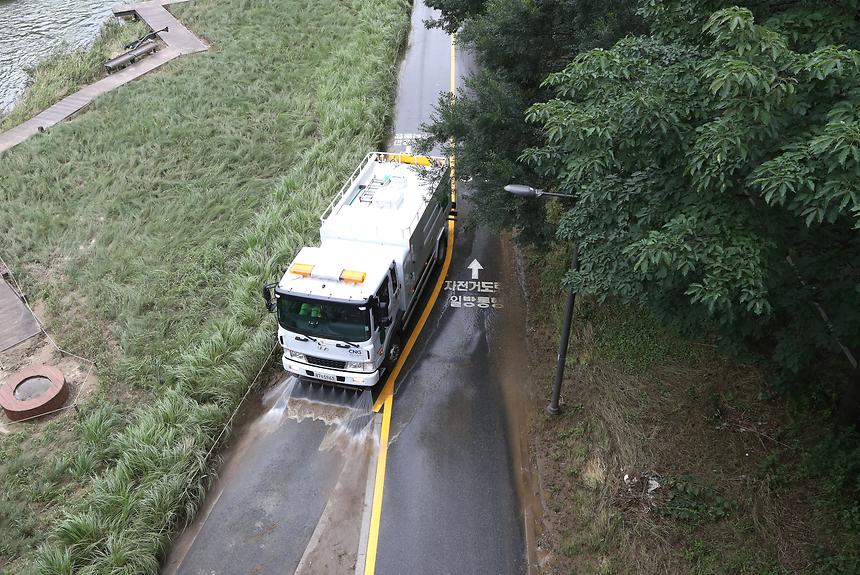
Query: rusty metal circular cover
(34, 396)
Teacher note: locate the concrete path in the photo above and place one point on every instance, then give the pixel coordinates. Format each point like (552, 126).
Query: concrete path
(16, 321)
(179, 41)
(157, 17)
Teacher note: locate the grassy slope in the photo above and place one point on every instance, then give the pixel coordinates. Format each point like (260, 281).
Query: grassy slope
(64, 73)
(748, 485)
(148, 226)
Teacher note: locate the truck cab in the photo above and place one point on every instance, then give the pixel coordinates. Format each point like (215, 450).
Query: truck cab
(335, 314)
(342, 305)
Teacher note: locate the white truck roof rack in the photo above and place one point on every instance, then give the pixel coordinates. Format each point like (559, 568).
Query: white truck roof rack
(347, 190)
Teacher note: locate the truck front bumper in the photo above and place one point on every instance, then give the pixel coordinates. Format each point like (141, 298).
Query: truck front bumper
(333, 376)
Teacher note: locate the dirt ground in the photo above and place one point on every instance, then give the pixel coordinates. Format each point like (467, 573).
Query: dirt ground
(81, 376)
(42, 350)
(679, 463)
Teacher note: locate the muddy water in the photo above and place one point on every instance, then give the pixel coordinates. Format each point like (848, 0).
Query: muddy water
(520, 404)
(30, 30)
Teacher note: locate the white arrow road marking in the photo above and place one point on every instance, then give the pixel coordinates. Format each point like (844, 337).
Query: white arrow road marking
(475, 266)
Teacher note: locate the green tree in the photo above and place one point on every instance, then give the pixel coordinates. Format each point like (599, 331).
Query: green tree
(517, 43)
(716, 169)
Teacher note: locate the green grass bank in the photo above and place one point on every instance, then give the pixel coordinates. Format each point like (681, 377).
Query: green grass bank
(146, 228)
(66, 72)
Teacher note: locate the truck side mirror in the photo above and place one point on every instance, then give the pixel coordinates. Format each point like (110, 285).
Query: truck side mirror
(269, 297)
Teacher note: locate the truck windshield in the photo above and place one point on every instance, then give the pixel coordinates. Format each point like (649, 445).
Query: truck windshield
(340, 321)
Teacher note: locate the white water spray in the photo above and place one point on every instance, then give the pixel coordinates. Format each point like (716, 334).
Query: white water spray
(347, 413)
(277, 400)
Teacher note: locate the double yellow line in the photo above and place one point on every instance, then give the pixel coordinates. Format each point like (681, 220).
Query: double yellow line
(385, 400)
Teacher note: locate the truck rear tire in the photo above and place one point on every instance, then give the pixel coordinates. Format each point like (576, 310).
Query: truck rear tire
(394, 353)
(442, 247)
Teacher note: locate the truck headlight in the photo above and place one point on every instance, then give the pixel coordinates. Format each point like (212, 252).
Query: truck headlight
(360, 365)
(296, 355)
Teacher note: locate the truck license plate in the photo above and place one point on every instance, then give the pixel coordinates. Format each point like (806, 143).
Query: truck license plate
(325, 377)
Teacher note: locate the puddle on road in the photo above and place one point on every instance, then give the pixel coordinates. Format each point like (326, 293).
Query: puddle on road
(348, 416)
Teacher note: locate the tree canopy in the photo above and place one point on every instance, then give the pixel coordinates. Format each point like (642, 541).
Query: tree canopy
(715, 161)
(517, 43)
(716, 169)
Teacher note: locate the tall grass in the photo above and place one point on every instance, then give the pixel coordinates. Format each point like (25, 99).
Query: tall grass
(65, 72)
(748, 484)
(156, 217)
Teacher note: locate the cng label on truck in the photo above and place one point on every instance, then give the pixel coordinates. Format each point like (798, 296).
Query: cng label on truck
(474, 294)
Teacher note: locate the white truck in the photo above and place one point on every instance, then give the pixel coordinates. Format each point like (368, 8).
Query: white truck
(341, 306)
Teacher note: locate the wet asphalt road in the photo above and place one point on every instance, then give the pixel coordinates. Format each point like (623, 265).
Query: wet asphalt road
(424, 74)
(454, 480)
(260, 515)
(277, 521)
(451, 502)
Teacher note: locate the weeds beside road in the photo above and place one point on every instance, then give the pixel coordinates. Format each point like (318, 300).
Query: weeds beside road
(669, 457)
(147, 226)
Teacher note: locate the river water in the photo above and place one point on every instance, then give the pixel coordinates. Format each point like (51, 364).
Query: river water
(31, 30)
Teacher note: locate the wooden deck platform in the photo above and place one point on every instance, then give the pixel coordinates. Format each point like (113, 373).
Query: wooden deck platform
(157, 18)
(178, 39)
(17, 323)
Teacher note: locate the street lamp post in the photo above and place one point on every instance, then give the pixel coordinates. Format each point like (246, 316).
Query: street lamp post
(530, 192)
(553, 408)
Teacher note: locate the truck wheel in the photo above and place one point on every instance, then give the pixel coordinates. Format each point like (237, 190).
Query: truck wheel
(442, 247)
(391, 357)
(394, 353)
(394, 350)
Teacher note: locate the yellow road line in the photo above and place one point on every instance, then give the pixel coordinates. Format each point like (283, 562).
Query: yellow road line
(453, 63)
(386, 400)
(451, 158)
(388, 390)
(386, 396)
(376, 510)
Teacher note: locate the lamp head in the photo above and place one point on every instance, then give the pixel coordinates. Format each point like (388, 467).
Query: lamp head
(523, 191)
